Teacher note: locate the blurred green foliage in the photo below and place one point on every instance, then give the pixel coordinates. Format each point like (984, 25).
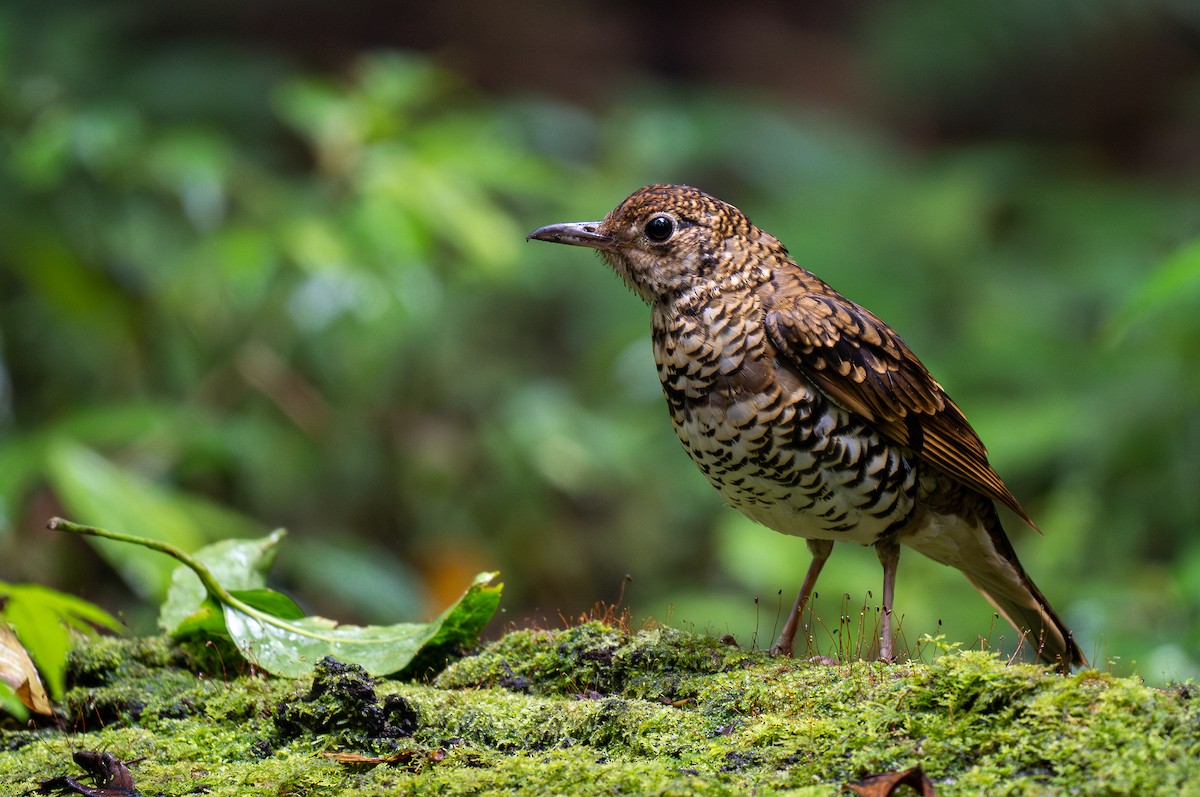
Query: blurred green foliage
(238, 294)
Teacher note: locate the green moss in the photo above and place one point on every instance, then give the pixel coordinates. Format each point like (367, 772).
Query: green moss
(594, 710)
(595, 658)
(342, 704)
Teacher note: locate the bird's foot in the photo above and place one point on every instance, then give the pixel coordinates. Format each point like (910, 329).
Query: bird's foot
(783, 647)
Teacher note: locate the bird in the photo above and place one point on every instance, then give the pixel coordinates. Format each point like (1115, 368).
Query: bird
(807, 412)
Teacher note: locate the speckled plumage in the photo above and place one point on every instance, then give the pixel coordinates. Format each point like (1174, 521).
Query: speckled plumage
(806, 411)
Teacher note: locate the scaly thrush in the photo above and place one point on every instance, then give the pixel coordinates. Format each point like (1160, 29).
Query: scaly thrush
(807, 412)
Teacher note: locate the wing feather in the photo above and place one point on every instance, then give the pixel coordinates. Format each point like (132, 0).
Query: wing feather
(863, 365)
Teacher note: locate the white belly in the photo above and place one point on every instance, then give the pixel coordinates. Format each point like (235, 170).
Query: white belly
(823, 488)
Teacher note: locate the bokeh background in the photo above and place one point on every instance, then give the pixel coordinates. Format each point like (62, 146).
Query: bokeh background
(262, 264)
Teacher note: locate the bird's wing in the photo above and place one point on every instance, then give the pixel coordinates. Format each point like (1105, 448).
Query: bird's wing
(860, 363)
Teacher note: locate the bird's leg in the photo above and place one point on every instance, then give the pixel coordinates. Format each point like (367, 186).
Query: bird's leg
(889, 556)
(786, 644)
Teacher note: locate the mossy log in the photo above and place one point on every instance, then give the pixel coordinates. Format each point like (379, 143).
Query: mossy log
(599, 710)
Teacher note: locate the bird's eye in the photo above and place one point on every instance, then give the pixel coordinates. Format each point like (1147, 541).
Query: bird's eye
(660, 228)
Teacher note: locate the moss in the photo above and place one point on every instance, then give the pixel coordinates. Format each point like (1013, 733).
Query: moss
(342, 703)
(594, 709)
(107, 659)
(595, 659)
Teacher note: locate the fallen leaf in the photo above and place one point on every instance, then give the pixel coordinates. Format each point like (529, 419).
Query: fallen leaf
(399, 757)
(236, 564)
(887, 783)
(113, 778)
(271, 631)
(17, 670)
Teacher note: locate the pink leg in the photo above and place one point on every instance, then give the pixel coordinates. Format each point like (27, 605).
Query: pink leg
(786, 644)
(889, 557)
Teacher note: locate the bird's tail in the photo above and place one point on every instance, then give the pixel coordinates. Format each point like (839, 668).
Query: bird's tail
(982, 551)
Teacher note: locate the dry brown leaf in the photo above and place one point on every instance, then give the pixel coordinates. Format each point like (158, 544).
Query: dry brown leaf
(400, 757)
(112, 777)
(17, 670)
(886, 784)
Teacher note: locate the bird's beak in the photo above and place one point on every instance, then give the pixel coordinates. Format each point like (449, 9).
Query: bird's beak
(575, 233)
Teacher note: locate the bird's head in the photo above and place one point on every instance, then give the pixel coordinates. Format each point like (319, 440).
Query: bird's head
(668, 240)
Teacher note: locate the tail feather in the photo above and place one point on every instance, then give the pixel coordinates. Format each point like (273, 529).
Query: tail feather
(982, 551)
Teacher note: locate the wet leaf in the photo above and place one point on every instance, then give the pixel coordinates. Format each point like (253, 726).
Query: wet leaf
(236, 564)
(291, 647)
(269, 629)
